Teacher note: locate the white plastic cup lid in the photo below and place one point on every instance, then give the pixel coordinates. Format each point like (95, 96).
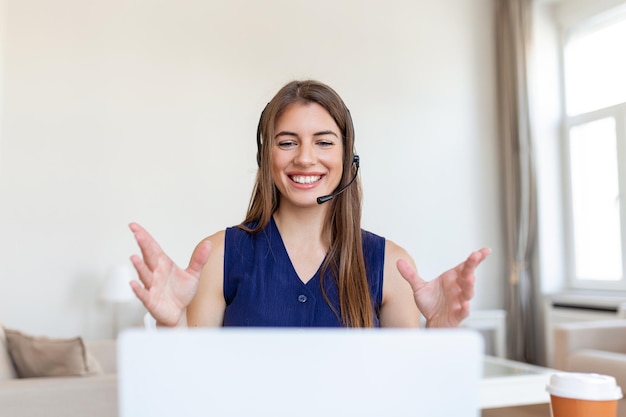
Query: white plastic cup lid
(584, 386)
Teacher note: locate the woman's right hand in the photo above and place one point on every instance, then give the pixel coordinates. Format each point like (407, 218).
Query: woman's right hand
(167, 289)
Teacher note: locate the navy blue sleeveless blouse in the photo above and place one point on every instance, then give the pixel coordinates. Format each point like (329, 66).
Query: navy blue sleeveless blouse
(262, 288)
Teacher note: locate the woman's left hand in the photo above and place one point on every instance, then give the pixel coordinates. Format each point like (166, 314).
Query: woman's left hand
(444, 301)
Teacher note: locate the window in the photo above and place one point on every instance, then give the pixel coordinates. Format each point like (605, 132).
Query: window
(595, 67)
(594, 73)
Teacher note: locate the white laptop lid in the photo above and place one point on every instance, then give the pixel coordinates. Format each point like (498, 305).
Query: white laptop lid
(296, 372)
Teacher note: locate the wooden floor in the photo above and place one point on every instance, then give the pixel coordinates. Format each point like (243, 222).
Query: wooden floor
(537, 410)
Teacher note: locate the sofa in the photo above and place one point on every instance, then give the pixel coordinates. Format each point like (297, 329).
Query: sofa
(593, 346)
(83, 385)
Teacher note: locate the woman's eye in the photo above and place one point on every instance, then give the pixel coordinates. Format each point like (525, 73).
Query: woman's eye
(325, 143)
(286, 144)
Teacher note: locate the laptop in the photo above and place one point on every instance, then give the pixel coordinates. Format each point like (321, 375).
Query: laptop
(299, 372)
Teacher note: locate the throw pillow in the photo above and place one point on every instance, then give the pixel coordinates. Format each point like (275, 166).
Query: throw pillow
(7, 371)
(36, 356)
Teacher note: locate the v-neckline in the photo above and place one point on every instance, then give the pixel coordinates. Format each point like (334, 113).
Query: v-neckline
(315, 276)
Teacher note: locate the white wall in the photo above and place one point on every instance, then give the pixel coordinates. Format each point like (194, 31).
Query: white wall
(146, 111)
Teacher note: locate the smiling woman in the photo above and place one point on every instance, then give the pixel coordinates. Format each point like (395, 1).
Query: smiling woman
(311, 133)
(307, 154)
(296, 261)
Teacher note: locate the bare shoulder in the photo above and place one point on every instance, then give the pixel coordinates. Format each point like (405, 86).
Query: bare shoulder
(214, 265)
(217, 242)
(393, 253)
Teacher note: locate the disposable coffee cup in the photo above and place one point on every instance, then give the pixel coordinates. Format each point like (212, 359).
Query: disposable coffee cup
(575, 394)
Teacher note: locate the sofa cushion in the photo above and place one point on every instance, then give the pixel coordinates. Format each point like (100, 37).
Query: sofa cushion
(36, 356)
(7, 371)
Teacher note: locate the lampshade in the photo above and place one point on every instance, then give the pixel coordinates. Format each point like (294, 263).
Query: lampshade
(116, 288)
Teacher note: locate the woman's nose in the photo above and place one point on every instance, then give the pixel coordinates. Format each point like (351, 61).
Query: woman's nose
(305, 155)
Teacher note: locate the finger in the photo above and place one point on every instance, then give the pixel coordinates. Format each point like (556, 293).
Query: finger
(463, 311)
(477, 257)
(466, 284)
(141, 293)
(468, 267)
(410, 274)
(467, 277)
(150, 249)
(199, 258)
(143, 272)
(471, 261)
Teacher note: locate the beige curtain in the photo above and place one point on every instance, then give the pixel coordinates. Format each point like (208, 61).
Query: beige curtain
(512, 51)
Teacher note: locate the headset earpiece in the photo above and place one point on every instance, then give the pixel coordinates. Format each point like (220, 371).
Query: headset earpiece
(259, 142)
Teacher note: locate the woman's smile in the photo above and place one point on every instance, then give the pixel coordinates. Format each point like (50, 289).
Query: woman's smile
(302, 179)
(305, 179)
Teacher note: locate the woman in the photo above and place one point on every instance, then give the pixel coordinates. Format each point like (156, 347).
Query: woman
(294, 260)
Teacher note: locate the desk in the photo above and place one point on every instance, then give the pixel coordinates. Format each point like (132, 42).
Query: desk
(508, 383)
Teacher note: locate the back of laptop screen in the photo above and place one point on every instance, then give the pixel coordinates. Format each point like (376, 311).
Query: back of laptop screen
(296, 372)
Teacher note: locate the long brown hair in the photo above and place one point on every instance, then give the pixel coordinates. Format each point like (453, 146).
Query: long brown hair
(343, 220)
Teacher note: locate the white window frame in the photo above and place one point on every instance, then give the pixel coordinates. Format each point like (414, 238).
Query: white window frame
(616, 112)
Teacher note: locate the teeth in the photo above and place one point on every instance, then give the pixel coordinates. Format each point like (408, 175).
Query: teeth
(302, 179)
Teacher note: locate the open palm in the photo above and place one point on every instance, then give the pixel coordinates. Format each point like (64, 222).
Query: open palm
(445, 301)
(167, 289)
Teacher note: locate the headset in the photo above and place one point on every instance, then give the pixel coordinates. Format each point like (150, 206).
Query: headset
(320, 200)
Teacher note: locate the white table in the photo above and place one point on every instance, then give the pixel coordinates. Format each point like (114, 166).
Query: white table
(508, 383)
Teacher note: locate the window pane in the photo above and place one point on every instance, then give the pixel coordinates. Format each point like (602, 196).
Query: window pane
(595, 69)
(595, 199)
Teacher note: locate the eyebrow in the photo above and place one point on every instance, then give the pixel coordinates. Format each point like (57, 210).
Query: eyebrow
(320, 133)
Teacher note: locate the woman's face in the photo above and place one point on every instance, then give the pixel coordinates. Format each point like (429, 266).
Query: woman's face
(307, 154)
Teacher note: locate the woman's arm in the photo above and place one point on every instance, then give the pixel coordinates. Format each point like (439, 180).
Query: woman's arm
(398, 308)
(207, 307)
